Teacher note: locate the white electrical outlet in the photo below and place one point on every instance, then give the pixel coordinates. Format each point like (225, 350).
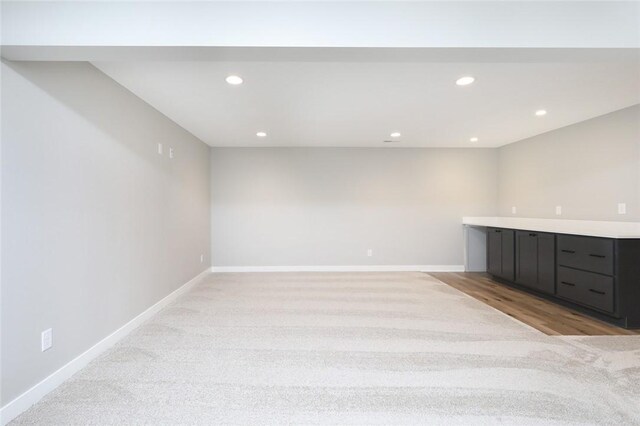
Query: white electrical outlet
(513, 210)
(160, 148)
(622, 208)
(558, 210)
(46, 339)
(202, 258)
(170, 152)
(370, 252)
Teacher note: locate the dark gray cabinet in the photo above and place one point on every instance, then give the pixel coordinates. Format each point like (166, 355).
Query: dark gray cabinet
(535, 260)
(600, 276)
(494, 251)
(586, 288)
(500, 253)
(586, 271)
(586, 253)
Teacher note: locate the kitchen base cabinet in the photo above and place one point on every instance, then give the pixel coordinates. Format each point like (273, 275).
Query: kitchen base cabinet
(547, 263)
(586, 253)
(535, 260)
(596, 275)
(500, 253)
(591, 290)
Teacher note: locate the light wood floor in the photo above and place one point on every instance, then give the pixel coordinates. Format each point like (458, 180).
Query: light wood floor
(548, 317)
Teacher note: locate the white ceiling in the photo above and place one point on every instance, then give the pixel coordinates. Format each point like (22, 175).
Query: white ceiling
(416, 24)
(359, 103)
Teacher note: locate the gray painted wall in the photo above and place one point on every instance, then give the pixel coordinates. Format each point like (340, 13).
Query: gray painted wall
(327, 206)
(96, 226)
(587, 168)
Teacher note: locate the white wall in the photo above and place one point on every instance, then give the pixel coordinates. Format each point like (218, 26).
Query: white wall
(327, 206)
(586, 168)
(96, 226)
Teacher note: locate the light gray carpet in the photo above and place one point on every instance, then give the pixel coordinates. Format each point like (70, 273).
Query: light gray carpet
(345, 348)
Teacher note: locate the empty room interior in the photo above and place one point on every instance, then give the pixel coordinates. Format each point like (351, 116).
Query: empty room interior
(320, 212)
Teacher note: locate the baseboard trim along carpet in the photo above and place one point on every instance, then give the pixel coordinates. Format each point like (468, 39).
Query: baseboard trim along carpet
(16, 407)
(342, 268)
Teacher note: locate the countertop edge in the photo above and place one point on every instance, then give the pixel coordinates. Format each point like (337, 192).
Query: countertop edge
(600, 229)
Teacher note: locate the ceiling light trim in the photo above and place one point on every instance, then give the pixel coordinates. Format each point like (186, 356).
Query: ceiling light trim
(234, 80)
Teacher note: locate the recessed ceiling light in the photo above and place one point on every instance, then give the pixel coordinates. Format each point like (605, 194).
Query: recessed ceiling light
(541, 112)
(474, 139)
(395, 135)
(234, 80)
(261, 134)
(464, 81)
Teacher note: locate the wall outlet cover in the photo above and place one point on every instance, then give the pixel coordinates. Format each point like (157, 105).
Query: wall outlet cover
(370, 252)
(558, 210)
(46, 339)
(171, 152)
(622, 208)
(513, 210)
(160, 148)
(201, 258)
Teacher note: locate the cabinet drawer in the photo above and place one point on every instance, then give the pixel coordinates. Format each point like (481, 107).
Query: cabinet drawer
(586, 288)
(588, 253)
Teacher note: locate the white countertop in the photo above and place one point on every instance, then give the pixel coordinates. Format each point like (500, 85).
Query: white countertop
(590, 228)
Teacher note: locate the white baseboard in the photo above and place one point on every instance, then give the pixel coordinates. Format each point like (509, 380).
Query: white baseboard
(16, 407)
(342, 268)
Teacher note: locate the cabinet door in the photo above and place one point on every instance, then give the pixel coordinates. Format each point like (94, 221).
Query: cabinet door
(494, 251)
(547, 263)
(527, 258)
(508, 254)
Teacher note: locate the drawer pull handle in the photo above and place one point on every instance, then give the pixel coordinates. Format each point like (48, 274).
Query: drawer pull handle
(599, 256)
(533, 235)
(568, 251)
(497, 230)
(566, 283)
(596, 291)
